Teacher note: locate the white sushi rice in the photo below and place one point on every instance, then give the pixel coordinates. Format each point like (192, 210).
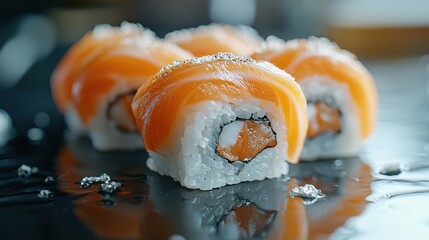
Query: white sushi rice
(104, 133)
(73, 122)
(191, 157)
(330, 145)
(106, 136)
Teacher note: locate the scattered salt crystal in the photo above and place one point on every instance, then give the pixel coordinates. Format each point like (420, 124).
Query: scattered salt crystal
(200, 60)
(104, 180)
(309, 193)
(26, 171)
(110, 186)
(87, 182)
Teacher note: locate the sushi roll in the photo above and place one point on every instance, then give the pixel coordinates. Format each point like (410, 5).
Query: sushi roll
(100, 89)
(221, 119)
(103, 94)
(214, 38)
(83, 53)
(341, 94)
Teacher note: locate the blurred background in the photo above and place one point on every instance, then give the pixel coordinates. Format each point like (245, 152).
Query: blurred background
(391, 37)
(34, 35)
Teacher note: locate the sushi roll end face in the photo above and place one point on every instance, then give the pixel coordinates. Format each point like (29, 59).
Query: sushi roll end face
(221, 119)
(341, 94)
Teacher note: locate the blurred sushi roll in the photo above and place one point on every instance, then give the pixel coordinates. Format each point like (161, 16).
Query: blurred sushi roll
(214, 38)
(96, 81)
(82, 54)
(221, 119)
(341, 94)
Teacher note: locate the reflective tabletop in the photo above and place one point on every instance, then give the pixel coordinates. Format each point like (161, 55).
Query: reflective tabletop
(381, 194)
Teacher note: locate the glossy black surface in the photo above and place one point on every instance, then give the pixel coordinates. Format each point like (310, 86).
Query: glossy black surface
(150, 206)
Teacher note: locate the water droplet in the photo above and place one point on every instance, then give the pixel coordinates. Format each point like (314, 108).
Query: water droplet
(45, 194)
(42, 120)
(391, 168)
(386, 195)
(35, 134)
(338, 164)
(5, 127)
(176, 237)
(49, 179)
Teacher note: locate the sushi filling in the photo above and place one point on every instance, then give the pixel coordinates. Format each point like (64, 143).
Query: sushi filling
(243, 139)
(120, 113)
(323, 118)
(252, 221)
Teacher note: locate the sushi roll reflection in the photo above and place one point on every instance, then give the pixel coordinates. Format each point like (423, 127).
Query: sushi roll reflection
(214, 38)
(250, 210)
(221, 119)
(341, 94)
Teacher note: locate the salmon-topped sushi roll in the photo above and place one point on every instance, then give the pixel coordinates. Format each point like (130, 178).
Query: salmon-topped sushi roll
(214, 38)
(103, 93)
(83, 53)
(341, 94)
(221, 119)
